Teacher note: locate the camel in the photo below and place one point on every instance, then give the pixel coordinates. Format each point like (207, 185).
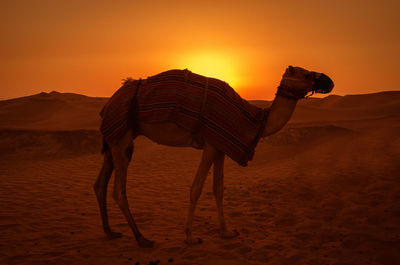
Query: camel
(296, 84)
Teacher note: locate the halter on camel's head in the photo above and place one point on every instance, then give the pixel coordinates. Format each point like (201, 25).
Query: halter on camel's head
(298, 82)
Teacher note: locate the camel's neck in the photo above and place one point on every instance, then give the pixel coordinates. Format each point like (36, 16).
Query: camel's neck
(279, 114)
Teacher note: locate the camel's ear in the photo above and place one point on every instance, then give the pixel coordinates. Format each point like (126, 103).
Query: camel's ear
(291, 69)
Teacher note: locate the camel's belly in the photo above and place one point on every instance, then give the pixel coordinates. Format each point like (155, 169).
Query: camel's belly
(170, 134)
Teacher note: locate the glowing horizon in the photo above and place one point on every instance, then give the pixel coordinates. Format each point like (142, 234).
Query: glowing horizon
(86, 48)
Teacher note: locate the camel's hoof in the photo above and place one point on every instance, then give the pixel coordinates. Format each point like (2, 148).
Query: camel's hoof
(145, 243)
(229, 234)
(113, 235)
(193, 241)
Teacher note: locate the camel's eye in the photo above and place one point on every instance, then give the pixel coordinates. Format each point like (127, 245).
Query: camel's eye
(291, 69)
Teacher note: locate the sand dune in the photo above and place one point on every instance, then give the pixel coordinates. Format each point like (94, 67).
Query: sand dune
(67, 111)
(336, 109)
(350, 107)
(323, 193)
(51, 111)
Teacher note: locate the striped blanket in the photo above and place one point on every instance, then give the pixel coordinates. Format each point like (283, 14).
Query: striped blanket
(207, 107)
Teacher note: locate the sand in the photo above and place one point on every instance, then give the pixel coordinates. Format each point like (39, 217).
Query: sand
(319, 192)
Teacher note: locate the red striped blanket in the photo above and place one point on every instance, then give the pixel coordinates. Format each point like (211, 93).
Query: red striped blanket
(207, 107)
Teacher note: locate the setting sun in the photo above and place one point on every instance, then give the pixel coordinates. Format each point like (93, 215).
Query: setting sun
(219, 65)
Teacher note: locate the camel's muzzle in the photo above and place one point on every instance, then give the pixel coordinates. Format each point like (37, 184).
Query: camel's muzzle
(323, 84)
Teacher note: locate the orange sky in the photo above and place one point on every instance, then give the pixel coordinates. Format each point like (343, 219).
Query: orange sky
(87, 47)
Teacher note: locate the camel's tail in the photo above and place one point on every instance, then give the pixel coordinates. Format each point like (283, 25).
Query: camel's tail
(105, 146)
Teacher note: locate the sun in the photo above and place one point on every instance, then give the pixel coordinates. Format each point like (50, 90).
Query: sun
(219, 65)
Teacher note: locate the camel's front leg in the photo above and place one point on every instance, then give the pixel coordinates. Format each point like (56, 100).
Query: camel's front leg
(219, 195)
(207, 159)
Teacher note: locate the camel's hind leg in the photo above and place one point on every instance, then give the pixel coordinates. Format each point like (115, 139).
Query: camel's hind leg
(121, 154)
(100, 188)
(207, 159)
(219, 195)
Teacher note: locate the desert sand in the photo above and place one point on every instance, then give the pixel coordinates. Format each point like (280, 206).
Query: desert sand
(324, 190)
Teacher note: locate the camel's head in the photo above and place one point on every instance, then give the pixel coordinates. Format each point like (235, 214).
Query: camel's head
(298, 82)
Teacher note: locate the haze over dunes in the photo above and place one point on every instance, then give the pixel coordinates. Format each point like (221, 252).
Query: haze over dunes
(68, 111)
(324, 190)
